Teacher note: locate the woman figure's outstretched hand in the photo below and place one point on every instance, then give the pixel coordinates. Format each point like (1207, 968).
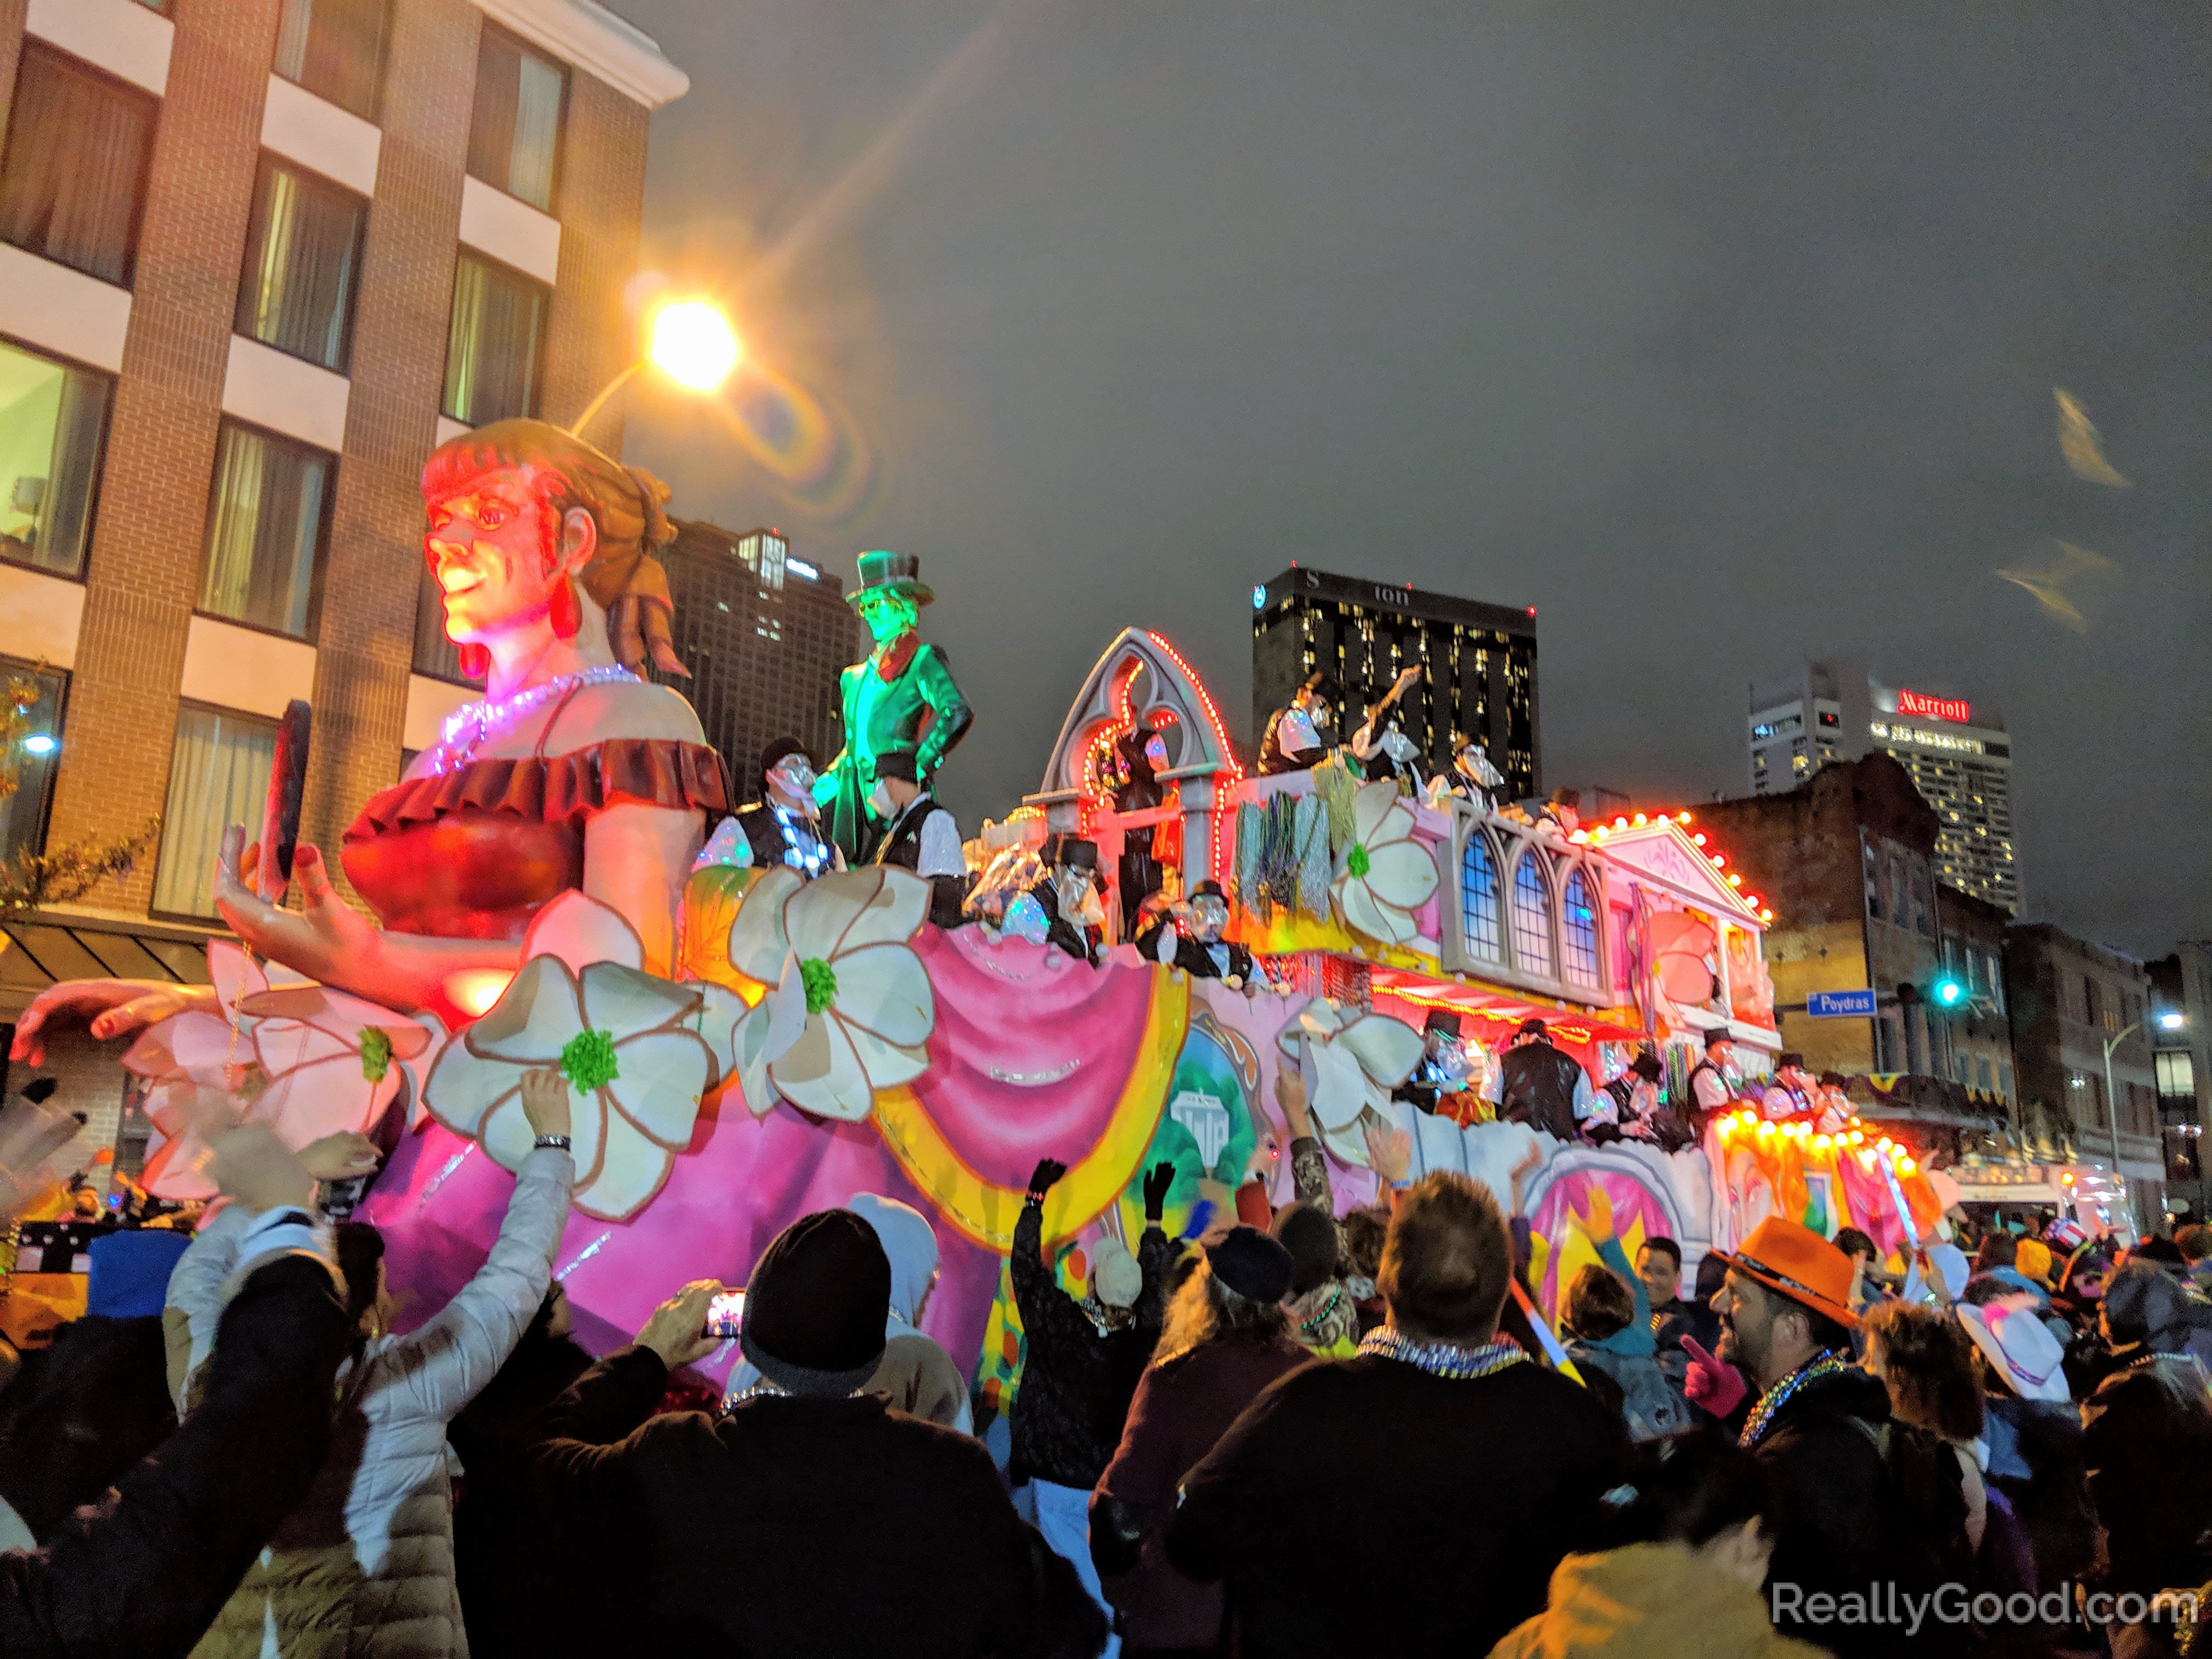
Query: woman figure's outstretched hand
(109, 1007)
(329, 941)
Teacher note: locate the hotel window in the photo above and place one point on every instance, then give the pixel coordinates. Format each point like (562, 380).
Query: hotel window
(73, 178)
(218, 776)
(495, 344)
(1478, 899)
(1532, 919)
(335, 49)
(514, 130)
(52, 418)
(35, 695)
(266, 528)
(302, 256)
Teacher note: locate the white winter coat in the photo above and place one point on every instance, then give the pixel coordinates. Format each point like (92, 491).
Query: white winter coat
(364, 1567)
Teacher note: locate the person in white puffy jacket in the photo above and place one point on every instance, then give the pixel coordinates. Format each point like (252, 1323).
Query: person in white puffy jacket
(364, 1567)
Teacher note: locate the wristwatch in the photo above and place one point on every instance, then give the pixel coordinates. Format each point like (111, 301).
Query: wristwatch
(551, 1143)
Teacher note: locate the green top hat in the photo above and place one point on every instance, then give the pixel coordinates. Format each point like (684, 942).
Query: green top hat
(897, 573)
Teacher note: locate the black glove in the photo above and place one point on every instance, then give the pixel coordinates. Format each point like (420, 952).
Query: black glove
(1158, 1180)
(1041, 1179)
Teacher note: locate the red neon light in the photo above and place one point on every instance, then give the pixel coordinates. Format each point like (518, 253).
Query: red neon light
(1218, 855)
(1954, 709)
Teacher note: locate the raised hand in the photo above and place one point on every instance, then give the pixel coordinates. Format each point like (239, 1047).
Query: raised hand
(254, 1169)
(1597, 1220)
(1290, 1096)
(677, 1329)
(341, 1157)
(1390, 1151)
(545, 1101)
(110, 1007)
(1711, 1384)
(1042, 1178)
(1158, 1180)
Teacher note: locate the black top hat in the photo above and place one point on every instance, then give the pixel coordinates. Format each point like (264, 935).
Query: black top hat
(778, 749)
(1788, 1059)
(1209, 889)
(1073, 851)
(1534, 1028)
(896, 573)
(898, 763)
(1718, 1034)
(1325, 685)
(1648, 1068)
(1442, 1019)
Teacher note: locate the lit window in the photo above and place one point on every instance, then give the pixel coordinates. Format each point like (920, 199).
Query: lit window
(1578, 931)
(495, 345)
(73, 180)
(51, 419)
(335, 49)
(514, 130)
(1478, 899)
(1532, 922)
(300, 259)
(38, 692)
(265, 530)
(218, 776)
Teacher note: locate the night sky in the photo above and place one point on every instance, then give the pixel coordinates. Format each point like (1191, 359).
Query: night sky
(1724, 336)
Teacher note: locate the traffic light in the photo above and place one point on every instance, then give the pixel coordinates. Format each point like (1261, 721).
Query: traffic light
(1948, 992)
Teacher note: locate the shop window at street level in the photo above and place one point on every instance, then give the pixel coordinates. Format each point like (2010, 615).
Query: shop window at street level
(73, 176)
(26, 769)
(266, 528)
(53, 416)
(218, 776)
(515, 129)
(335, 49)
(495, 345)
(302, 256)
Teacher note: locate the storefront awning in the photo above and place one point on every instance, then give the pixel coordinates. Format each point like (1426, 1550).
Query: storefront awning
(43, 947)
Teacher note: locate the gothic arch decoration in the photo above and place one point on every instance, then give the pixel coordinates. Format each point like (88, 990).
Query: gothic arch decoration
(1525, 909)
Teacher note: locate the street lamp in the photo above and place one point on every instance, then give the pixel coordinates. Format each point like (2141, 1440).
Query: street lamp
(690, 342)
(2170, 1021)
(2112, 1105)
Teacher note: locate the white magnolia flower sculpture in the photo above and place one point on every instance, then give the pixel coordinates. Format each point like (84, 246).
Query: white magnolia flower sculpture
(1358, 1059)
(851, 1008)
(1383, 875)
(624, 1038)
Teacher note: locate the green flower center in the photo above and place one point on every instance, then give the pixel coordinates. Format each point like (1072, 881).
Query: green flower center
(1355, 862)
(821, 980)
(588, 1061)
(376, 1054)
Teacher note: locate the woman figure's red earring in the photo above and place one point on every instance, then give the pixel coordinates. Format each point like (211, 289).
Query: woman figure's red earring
(566, 616)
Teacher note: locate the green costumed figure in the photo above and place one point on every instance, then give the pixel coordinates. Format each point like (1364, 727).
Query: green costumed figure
(902, 697)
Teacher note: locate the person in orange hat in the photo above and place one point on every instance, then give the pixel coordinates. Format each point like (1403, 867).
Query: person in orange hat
(1822, 1428)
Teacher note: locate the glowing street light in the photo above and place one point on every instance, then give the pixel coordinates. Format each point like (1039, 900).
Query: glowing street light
(693, 345)
(41, 743)
(2168, 1021)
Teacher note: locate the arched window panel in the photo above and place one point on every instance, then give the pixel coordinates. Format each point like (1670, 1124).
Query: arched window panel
(1578, 929)
(1532, 915)
(1480, 925)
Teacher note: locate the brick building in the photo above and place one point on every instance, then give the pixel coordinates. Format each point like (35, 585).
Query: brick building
(1979, 1023)
(2079, 1013)
(1845, 860)
(257, 258)
(765, 637)
(2181, 1057)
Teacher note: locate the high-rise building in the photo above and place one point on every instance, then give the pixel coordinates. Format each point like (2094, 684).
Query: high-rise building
(1481, 663)
(765, 635)
(257, 258)
(1957, 753)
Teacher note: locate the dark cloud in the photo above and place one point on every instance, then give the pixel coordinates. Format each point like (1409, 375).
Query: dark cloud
(1724, 335)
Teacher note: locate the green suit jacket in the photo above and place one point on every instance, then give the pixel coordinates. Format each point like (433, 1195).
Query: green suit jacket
(918, 708)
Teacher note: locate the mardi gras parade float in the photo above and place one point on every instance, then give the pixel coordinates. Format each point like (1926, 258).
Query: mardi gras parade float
(763, 1015)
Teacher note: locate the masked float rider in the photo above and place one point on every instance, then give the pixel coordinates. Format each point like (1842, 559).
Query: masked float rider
(902, 700)
(919, 835)
(1297, 735)
(782, 827)
(1075, 914)
(1474, 777)
(1195, 945)
(1382, 750)
(1536, 1084)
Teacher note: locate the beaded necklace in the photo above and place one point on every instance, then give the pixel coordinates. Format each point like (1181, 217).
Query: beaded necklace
(806, 852)
(473, 722)
(1446, 1359)
(1821, 1366)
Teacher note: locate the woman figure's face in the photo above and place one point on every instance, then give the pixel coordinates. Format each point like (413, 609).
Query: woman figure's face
(490, 549)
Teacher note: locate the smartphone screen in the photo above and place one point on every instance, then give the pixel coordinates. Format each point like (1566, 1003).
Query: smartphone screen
(726, 1313)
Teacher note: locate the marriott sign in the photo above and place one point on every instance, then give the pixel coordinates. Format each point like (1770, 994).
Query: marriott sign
(1954, 709)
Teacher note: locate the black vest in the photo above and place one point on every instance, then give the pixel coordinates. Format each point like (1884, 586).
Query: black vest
(1539, 1087)
(902, 842)
(764, 832)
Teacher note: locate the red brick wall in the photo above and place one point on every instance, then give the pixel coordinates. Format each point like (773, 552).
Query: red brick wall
(391, 414)
(591, 335)
(143, 576)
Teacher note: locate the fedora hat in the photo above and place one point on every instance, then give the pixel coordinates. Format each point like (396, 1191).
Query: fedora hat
(1797, 1262)
(892, 572)
(2020, 1348)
